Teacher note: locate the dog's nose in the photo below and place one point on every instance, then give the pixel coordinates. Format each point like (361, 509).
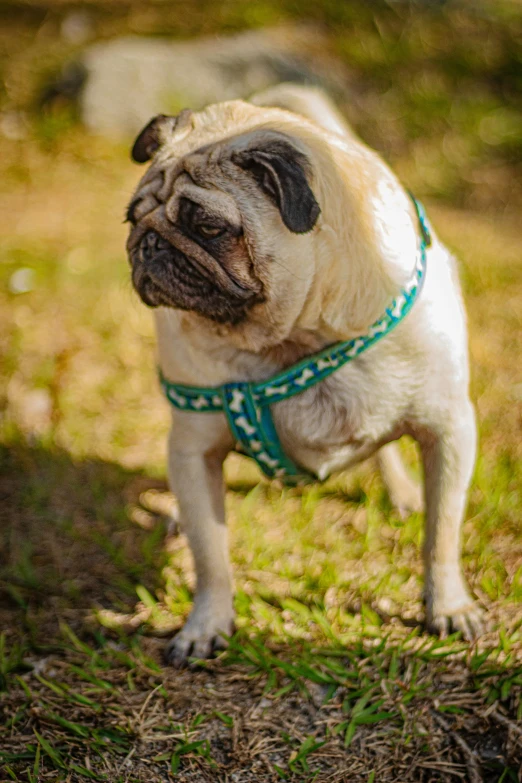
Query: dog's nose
(152, 244)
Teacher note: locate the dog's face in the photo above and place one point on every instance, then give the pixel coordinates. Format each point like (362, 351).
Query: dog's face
(221, 221)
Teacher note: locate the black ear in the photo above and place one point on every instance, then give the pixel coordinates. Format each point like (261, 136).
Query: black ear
(281, 171)
(148, 139)
(154, 134)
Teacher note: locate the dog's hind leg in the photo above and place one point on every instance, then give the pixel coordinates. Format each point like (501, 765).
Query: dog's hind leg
(405, 493)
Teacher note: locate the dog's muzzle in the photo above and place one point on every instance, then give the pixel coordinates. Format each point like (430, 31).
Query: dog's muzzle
(165, 274)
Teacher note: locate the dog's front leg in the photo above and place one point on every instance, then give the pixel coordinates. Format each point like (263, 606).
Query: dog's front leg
(448, 456)
(197, 481)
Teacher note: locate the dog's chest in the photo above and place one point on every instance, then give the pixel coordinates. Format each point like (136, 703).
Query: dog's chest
(336, 423)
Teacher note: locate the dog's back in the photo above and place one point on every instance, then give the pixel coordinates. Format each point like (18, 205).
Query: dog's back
(309, 102)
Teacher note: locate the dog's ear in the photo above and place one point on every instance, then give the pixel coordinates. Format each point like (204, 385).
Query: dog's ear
(281, 170)
(156, 132)
(149, 139)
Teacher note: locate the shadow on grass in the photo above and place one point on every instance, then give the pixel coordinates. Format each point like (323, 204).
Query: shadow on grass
(67, 540)
(70, 540)
(68, 543)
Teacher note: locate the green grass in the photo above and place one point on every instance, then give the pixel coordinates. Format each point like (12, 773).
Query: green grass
(330, 675)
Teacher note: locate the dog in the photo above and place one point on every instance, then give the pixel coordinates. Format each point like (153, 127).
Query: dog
(262, 233)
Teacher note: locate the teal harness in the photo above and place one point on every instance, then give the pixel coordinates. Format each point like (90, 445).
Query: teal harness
(247, 405)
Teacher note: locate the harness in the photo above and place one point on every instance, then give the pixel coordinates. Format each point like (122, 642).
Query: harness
(247, 405)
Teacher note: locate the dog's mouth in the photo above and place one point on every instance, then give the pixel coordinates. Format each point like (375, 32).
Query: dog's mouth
(165, 274)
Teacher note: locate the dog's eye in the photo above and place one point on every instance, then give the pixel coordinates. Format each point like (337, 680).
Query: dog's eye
(209, 232)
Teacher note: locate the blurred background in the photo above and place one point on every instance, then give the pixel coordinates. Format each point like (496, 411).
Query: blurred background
(436, 88)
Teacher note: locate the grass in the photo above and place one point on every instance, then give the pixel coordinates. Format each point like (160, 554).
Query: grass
(330, 676)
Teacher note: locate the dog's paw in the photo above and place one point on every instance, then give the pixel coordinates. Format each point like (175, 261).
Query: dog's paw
(202, 636)
(468, 619)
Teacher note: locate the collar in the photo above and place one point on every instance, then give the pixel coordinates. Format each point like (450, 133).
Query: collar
(247, 405)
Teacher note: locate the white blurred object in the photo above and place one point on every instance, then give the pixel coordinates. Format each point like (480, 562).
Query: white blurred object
(129, 80)
(22, 281)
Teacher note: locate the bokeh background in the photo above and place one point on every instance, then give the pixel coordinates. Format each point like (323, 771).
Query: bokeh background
(328, 579)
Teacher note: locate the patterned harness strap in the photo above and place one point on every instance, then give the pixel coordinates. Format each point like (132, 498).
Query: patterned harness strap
(247, 405)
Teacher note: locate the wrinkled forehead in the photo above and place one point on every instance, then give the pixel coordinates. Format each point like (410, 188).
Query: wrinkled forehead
(168, 186)
(213, 201)
(195, 140)
(189, 164)
(193, 174)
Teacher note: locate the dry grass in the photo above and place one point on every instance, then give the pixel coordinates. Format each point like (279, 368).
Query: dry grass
(400, 712)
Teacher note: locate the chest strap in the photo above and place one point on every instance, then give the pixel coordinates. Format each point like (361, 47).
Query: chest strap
(247, 405)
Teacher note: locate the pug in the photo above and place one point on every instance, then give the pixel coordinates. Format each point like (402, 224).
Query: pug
(261, 233)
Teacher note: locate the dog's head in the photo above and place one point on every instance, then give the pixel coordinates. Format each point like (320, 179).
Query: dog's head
(222, 220)
(266, 225)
